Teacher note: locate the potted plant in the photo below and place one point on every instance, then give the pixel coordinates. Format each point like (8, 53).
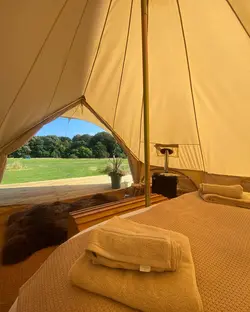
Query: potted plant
(114, 170)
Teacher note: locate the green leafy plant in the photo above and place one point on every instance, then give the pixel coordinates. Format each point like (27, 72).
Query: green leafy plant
(114, 167)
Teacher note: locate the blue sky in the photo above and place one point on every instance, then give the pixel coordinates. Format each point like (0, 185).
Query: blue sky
(69, 128)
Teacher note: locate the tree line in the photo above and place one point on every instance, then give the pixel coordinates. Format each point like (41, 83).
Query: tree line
(100, 145)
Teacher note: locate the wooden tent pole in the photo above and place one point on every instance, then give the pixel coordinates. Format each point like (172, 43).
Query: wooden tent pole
(144, 27)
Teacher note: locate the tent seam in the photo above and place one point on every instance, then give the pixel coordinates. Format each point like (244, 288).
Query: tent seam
(42, 122)
(68, 55)
(190, 81)
(238, 18)
(107, 125)
(124, 60)
(140, 140)
(98, 48)
(35, 61)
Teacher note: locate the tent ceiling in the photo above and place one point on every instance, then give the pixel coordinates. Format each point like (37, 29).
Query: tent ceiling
(53, 52)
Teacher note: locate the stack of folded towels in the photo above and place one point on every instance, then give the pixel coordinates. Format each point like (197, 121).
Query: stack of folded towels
(231, 195)
(141, 266)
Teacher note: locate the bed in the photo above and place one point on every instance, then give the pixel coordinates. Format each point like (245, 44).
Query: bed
(220, 243)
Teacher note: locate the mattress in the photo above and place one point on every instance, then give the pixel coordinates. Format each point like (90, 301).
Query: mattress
(220, 242)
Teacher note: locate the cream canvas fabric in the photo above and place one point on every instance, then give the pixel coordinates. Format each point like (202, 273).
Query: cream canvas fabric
(54, 52)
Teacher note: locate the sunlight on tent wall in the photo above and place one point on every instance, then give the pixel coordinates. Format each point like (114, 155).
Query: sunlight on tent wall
(53, 52)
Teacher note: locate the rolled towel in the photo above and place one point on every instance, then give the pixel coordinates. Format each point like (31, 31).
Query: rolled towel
(243, 202)
(124, 244)
(148, 292)
(230, 191)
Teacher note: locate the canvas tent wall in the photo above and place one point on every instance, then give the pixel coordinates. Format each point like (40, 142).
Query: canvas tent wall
(55, 52)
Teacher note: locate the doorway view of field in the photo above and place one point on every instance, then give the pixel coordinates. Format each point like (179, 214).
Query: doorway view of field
(42, 169)
(63, 157)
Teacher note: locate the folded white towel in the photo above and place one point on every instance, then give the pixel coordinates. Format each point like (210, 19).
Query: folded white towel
(148, 292)
(122, 243)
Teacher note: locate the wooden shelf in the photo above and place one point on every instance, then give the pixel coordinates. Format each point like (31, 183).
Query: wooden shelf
(82, 219)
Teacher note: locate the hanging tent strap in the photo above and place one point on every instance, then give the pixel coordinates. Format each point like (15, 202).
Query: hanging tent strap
(144, 27)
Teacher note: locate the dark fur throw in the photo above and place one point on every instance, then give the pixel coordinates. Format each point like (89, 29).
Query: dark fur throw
(41, 226)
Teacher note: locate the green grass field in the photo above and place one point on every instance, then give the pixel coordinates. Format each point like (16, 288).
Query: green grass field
(41, 169)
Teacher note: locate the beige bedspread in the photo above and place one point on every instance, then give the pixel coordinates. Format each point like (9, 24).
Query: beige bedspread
(220, 242)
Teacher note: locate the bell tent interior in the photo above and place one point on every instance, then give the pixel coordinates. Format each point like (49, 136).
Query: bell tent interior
(157, 74)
